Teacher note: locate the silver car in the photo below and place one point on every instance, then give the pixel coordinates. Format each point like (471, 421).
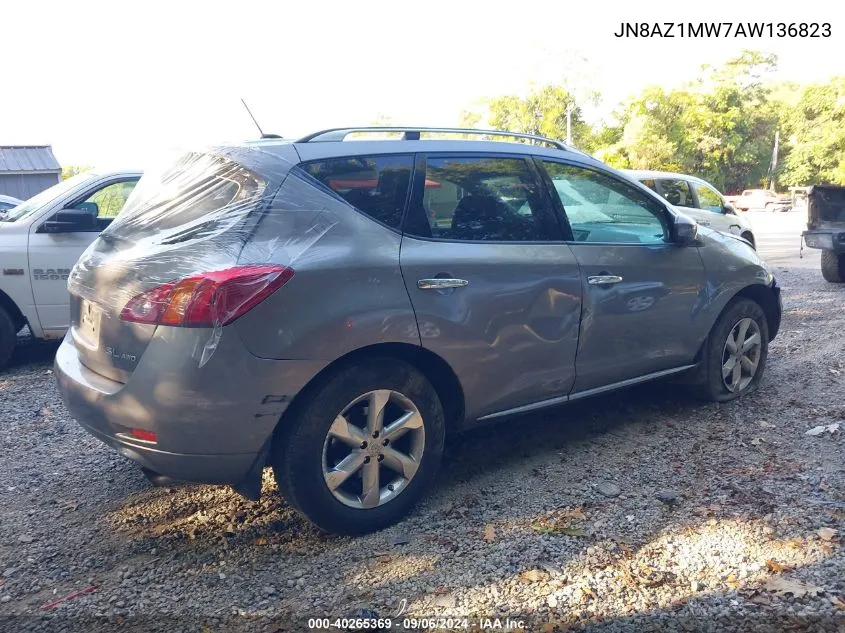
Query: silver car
(331, 307)
(698, 199)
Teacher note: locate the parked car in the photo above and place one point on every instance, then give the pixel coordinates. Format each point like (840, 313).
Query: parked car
(761, 199)
(6, 203)
(306, 305)
(40, 241)
(698, 199)
(826, 229)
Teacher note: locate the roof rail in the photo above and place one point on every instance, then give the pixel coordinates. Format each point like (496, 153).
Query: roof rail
(413, 134)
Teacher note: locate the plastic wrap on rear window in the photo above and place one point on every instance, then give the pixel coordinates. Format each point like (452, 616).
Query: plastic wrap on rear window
(175, 256)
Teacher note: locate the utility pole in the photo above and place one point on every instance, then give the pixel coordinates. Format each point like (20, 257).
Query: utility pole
(774, 163)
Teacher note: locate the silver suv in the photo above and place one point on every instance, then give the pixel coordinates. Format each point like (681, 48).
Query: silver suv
(331, 307)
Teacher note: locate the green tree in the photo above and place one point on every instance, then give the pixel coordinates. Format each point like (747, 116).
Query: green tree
(815, 136)
(720, 127)
(542, 112)
(72, 170)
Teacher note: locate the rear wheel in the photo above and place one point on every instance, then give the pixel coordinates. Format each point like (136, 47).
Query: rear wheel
(770, 206)
(363, 449)
(833, 266)
(8, 337)
(735, 353)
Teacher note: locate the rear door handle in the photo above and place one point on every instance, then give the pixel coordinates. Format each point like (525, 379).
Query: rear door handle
(441, 283)
(602, 280)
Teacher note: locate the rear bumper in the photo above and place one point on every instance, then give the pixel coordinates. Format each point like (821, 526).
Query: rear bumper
(211, 423)
(211, 469)
(825, 239)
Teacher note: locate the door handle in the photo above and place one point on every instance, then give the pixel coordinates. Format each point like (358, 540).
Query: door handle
(602, 280)
(441, 283)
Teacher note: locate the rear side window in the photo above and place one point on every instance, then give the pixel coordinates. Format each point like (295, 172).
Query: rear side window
(677, 192)
(375, 185)
(481, 198)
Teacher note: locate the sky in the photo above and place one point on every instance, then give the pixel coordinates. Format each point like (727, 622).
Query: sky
(117, 84)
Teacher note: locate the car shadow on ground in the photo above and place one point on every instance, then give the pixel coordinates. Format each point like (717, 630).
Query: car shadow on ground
(214, 513)
(29, 351)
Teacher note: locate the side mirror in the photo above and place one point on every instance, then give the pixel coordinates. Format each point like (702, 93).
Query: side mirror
(82, 218)
(685, 230)
(729, 209)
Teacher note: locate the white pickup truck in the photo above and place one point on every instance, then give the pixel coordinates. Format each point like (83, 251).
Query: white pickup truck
(40, 241)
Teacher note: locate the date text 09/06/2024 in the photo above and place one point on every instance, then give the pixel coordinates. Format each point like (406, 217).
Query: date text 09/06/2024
(411, 624)
(724, 29)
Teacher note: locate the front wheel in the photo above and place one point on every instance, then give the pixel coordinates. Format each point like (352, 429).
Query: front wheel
(364, 447)
(833, 266)
(735, 353)
(8, 337)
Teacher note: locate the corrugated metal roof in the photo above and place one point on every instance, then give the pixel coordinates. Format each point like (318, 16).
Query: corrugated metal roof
(28, 158)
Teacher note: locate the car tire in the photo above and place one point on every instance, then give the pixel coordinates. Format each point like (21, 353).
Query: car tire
(833, 266)
(748, 236)
(318, 437)
(8, 337)
(770, 207)
(741, 317)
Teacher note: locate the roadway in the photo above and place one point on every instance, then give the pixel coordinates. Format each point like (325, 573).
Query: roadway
(779, 239)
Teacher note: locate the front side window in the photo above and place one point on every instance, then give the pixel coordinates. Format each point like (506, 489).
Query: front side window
(650, 183)
(708, 198)
(481, 198)
(375, 185)
(601, 208)
(677, 192)
(111, 198)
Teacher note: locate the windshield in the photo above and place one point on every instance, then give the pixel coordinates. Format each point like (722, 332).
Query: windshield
(45, 197)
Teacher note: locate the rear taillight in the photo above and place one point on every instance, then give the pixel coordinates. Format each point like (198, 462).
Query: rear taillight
(207, 299)
(144, 436)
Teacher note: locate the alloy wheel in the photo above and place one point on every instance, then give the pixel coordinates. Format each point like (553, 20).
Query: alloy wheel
(373, 449)
(741, 355)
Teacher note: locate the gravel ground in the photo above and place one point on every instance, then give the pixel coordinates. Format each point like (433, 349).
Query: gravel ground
(642, 511)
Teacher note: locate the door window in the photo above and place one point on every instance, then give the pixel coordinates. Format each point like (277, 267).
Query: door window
(677, 192)
(109, 200)
(708, 198)
(480, 198)
(375, 185)
(601, 208)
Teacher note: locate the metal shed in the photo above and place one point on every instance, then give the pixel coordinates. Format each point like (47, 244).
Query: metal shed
(27, 169)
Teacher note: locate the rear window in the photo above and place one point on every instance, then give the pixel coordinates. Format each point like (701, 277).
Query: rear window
(198, 193)
(375, 185)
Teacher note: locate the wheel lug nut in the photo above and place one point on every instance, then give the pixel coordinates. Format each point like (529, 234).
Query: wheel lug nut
(385, 442)
(375, 433)
(366, 460)
(363, 445)
(381, 458)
